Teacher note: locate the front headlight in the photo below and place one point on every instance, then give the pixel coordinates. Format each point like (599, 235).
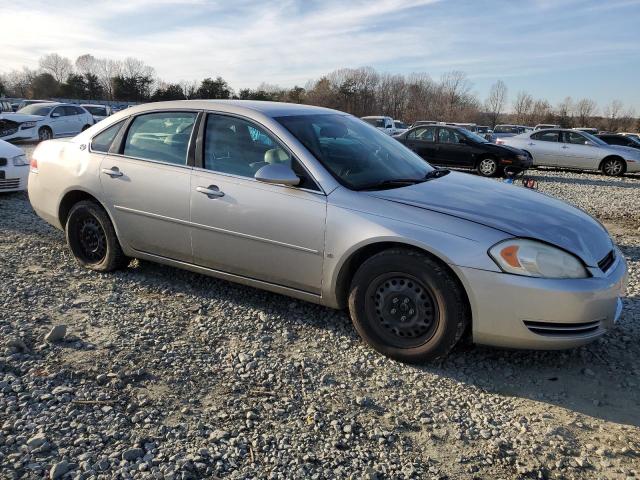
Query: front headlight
(20, 160)
(536, 259)
(25, 125)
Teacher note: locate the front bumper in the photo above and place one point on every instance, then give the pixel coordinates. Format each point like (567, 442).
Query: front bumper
(523, 312)
(15, 178)
(30, 134)
(633, 166)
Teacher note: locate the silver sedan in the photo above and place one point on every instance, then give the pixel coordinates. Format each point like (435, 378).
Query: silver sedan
(575, 149)
(317, 204)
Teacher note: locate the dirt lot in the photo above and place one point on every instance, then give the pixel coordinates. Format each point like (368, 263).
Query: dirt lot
(169, 374)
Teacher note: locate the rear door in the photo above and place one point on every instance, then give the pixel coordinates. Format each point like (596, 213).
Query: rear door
(146, 178)
(74, 119)
(422, 140)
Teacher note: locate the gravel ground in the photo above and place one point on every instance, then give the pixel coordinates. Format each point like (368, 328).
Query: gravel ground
(155, 372)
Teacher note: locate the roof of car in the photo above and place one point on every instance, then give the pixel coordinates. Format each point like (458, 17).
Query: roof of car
(270, 109)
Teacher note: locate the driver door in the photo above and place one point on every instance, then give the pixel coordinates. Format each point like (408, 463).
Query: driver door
(267, 232)
(59, 121)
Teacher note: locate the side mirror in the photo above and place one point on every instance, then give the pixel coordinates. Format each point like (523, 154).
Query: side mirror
(55, 115)
(278, 174)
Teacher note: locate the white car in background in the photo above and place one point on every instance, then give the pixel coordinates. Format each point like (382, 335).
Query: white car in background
(14, 168)
(543, 126)
(400, 127)
(575, 149)
(384, 124)
(99, 112)
(43, 121)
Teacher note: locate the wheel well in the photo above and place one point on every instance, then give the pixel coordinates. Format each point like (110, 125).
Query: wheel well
(45, 127)
(350, 267)
(69, 200)
(612, 157)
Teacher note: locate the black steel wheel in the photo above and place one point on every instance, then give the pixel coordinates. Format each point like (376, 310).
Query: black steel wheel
(405, 310)
(92, 238)
(408, 305)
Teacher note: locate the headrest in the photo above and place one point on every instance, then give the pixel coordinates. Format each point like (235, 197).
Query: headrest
(275, 155)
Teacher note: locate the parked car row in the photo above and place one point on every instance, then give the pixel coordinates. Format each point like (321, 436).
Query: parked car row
(575, 149)
(316, 204)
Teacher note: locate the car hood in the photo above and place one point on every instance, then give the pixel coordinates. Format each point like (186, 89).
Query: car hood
(514, 210)
(20, 117)
(624, 149)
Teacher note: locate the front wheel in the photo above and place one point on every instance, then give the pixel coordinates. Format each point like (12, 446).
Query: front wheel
(92, 238)
(407, 306)
(45, 133)
(613, 167)
(487, 167)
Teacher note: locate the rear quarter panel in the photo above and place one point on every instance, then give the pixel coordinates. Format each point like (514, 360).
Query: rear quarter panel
(63, 166)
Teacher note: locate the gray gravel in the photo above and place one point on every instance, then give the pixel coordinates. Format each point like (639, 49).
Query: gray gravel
(161, 373)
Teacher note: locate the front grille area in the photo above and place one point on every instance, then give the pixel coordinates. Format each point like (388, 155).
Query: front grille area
(9, 184)
(3, 162)
(8, 131)
(562, 329)
(606, 263)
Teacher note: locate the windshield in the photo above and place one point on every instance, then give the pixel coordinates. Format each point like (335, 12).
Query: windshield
(94, 110)
(472, 136)
(594, 139)
(35, 109)
(356, 154)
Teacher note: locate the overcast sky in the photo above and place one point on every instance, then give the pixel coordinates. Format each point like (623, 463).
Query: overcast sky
(551, 48)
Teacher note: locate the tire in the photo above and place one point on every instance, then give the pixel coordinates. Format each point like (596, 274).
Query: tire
(45, 133)
(92, 238)
(407, 306)
(613, 167)
(487, 167)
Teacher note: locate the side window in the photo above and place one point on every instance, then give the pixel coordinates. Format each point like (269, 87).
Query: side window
(426, 134)
(547, 136)
(446, 135)
(70, 111)
(59, 110)
(616, 141)
(102, 141)
(574, 138)
(237, 147)
(162, 136)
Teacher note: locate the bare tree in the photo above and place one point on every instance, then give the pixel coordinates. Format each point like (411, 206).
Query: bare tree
(18, 82)
(523, 108)
(565, 112)
(612, 113)
(87, 64)
(59, 67)
(189, 88)
(541, 112)
(456, 93)
(496, 101)
(584, 109)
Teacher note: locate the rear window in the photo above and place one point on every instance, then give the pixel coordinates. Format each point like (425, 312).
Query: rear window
(102, 142)
(98, 111)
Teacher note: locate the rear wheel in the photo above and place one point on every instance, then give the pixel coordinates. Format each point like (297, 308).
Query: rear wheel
(487, 167)
(407, 306)
(92, 238)
(45, 133)
(613, 167)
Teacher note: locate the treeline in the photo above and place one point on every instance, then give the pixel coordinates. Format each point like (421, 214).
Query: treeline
(360, 91)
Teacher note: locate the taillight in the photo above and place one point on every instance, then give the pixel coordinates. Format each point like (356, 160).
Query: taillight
(33, 164)
(499, 142)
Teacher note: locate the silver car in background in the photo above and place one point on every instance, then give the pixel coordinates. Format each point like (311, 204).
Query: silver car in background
(318, 205)
(575, 149)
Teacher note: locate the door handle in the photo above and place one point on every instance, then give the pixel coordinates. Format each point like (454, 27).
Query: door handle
(212, 191)
(564, 147)
(530, 143)
(112, 172)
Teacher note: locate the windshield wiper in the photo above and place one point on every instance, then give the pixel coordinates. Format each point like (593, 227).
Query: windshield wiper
(403, 182)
